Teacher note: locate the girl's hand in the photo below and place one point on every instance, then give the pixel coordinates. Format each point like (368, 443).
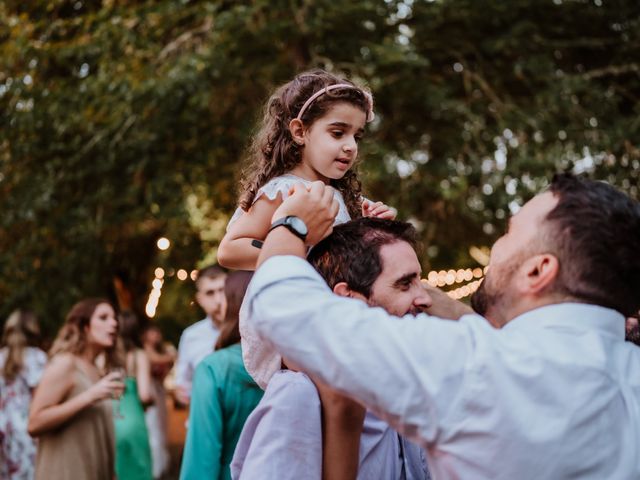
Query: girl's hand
(378, 210)
(109, 386)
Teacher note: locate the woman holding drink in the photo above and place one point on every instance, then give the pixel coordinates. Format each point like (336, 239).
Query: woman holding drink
(71, 412)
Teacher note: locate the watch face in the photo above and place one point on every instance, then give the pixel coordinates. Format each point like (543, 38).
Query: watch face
(298, 224)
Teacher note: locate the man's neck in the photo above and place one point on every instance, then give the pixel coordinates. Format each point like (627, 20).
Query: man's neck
(216, 323)
(527, 304)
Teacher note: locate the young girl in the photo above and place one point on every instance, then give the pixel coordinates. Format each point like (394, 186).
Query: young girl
(310, 132)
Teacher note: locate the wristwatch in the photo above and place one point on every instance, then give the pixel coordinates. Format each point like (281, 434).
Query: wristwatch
(294, 224)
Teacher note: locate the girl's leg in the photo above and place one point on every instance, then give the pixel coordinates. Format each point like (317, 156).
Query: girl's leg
(342, 420)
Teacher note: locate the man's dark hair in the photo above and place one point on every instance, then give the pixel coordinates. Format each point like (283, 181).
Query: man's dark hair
(351, 254)
(210, 271)
(595, 233)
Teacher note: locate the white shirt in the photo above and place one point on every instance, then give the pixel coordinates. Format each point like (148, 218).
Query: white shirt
(282, 439)
(555, 394)
(196, 342)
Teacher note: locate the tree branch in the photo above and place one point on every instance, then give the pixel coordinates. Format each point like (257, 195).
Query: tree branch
(185, 38)
(612, 70)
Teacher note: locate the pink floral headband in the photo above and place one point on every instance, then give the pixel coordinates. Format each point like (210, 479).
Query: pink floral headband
(328, 88)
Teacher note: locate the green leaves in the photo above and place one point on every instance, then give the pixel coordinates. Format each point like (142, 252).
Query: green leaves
(124, 121)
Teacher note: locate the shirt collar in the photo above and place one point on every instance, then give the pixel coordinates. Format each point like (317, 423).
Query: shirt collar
(574, 315)
(210, 324)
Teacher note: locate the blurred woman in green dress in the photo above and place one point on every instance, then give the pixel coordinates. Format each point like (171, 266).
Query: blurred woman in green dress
(133, 454)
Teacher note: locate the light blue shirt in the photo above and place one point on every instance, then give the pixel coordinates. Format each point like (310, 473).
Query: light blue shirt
(555, 394)
(282, 439)
(196, 342)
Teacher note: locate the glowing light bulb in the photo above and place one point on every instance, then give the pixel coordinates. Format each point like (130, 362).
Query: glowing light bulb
(163, 243)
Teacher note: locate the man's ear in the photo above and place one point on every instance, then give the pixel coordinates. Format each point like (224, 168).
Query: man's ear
(296, 128)
(198, 297)
(540, 272)
(343, 290)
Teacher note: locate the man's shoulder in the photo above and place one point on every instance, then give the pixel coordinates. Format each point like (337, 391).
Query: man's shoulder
(196, 329)
(290, 386)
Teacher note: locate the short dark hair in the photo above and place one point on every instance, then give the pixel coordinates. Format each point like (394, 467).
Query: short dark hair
(210, 271)
(351, 254)
(595, 233)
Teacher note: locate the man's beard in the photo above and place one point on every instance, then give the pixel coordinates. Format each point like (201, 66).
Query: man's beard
(493, 293)
(481, 299)
(633, 334)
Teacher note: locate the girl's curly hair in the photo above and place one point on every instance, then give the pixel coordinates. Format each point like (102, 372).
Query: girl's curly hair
(273, 151)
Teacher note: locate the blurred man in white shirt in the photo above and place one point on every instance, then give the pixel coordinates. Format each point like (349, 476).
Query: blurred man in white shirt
(198, 340)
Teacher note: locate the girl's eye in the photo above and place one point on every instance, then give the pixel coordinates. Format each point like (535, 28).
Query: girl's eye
(358, 138)
(337, 133)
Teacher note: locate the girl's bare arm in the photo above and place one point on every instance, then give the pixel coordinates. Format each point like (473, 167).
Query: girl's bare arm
(235, 250)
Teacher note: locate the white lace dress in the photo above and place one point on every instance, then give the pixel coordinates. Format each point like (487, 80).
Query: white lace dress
(260, 359)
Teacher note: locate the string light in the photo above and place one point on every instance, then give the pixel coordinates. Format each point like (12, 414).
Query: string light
(435, 278)
(444, 278)
(163, 243)
(450, 277)
(465, 290)
(154, 295)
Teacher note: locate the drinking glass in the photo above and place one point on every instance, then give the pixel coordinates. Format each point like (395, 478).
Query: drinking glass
(117, 412)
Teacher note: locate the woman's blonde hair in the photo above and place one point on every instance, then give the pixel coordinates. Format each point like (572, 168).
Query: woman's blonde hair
(72, 337)
(21, 330)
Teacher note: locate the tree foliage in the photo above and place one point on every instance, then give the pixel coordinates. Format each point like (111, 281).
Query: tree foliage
(122, 121)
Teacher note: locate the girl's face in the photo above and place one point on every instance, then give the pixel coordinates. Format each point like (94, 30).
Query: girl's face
(103, 327)
(331, 143)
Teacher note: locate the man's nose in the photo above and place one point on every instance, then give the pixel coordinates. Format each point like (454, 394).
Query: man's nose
(423, 300)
